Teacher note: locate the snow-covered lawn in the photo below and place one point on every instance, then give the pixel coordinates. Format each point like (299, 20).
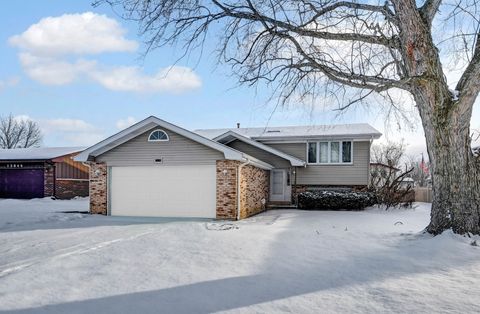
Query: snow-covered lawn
(280, 261)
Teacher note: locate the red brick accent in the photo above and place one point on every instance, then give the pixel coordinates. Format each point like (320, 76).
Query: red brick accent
(70, 188)
(254, 190)
(98, 188)
(48, 180)
(227, 189)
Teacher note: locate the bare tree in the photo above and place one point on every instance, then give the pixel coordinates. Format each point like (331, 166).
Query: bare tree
(387, 179)
(309, 48)
(19, 133)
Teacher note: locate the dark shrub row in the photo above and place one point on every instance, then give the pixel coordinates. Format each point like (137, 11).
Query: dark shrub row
(336, 200)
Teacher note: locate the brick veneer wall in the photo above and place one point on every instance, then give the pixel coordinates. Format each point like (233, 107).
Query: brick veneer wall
(254, 190)
(227, 189)
(98, 188)
(70, 188)
(48, 180)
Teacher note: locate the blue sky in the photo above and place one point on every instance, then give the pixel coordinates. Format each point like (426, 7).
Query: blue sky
(111, 85)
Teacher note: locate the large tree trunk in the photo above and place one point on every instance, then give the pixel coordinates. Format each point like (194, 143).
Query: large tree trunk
(446, 122)
(454, 169)
(456, 182)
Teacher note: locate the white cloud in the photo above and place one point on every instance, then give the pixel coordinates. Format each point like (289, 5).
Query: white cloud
(86, 33)
(67, 132)
(48, 47)
(174, 79)
(66, 125)
(71, 132)
(125, 123)
(50, 71)
(9, 82)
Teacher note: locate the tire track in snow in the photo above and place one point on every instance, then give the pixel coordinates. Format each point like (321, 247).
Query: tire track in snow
(8, 269)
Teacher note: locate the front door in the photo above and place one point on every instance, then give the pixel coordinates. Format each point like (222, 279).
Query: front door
(280, 188)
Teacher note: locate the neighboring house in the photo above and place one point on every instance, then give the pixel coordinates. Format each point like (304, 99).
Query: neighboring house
(380, 172)
(155, 168)
(407, 183)
(42, 172)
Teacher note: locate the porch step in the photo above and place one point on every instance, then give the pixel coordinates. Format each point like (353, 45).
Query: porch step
(281, 206)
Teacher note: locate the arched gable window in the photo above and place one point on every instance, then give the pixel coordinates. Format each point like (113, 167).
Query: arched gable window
(158, 136)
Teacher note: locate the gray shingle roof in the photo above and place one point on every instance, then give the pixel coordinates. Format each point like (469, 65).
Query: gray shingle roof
(356, 130)
(37, 153)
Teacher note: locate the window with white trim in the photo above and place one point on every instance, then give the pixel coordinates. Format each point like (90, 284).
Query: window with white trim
(331, 152)
(158, 136)
(312, 152)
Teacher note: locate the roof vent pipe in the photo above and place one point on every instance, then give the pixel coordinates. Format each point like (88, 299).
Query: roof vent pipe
(238, 125)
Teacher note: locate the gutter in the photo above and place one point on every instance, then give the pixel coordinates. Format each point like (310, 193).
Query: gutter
(239, 180)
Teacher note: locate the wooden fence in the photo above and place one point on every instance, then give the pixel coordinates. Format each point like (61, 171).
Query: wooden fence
(423, 195)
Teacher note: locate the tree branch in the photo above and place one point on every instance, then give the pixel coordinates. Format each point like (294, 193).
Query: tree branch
(468, 85)
(255, 15)
(429, 10)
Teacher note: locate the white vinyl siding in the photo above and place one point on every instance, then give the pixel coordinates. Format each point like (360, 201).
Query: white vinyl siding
(353, 173)
(260, 154)
(177, 151)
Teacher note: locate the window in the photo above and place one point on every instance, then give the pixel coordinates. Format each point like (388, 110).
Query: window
(346, 151)
(323, 152)
(334, 152)
(312, 152)
(158, 136)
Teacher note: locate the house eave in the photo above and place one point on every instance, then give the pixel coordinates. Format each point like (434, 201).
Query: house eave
(231, 134)
(301, 139)
(144, 125)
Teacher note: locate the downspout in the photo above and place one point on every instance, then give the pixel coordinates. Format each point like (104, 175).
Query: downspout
(296, 187)
(54, 181)
(239, 180)
(369, 161)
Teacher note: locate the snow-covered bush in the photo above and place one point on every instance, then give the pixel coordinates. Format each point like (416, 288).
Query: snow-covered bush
(336, 200)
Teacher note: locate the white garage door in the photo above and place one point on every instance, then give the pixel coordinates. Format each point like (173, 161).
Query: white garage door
(163, 191)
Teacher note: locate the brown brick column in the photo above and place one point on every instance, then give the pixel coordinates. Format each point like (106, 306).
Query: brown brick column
(254, 190)
(98, 188)
(48, 180)
(227, 189)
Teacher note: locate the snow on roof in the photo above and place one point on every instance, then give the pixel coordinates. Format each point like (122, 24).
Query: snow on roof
(357, 130)
(37, 153)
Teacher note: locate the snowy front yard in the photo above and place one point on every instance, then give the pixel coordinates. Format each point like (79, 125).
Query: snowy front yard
(279, 261)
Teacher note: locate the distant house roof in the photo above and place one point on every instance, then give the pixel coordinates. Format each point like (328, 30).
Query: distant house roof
(37, 153)
(353, 131)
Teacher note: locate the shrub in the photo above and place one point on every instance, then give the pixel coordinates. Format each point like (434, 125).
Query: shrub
(336, 200)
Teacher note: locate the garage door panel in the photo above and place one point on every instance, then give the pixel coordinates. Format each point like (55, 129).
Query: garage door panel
(169, 191)
(21, 183)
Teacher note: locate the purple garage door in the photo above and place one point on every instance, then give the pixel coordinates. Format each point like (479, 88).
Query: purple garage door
(21, 183)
